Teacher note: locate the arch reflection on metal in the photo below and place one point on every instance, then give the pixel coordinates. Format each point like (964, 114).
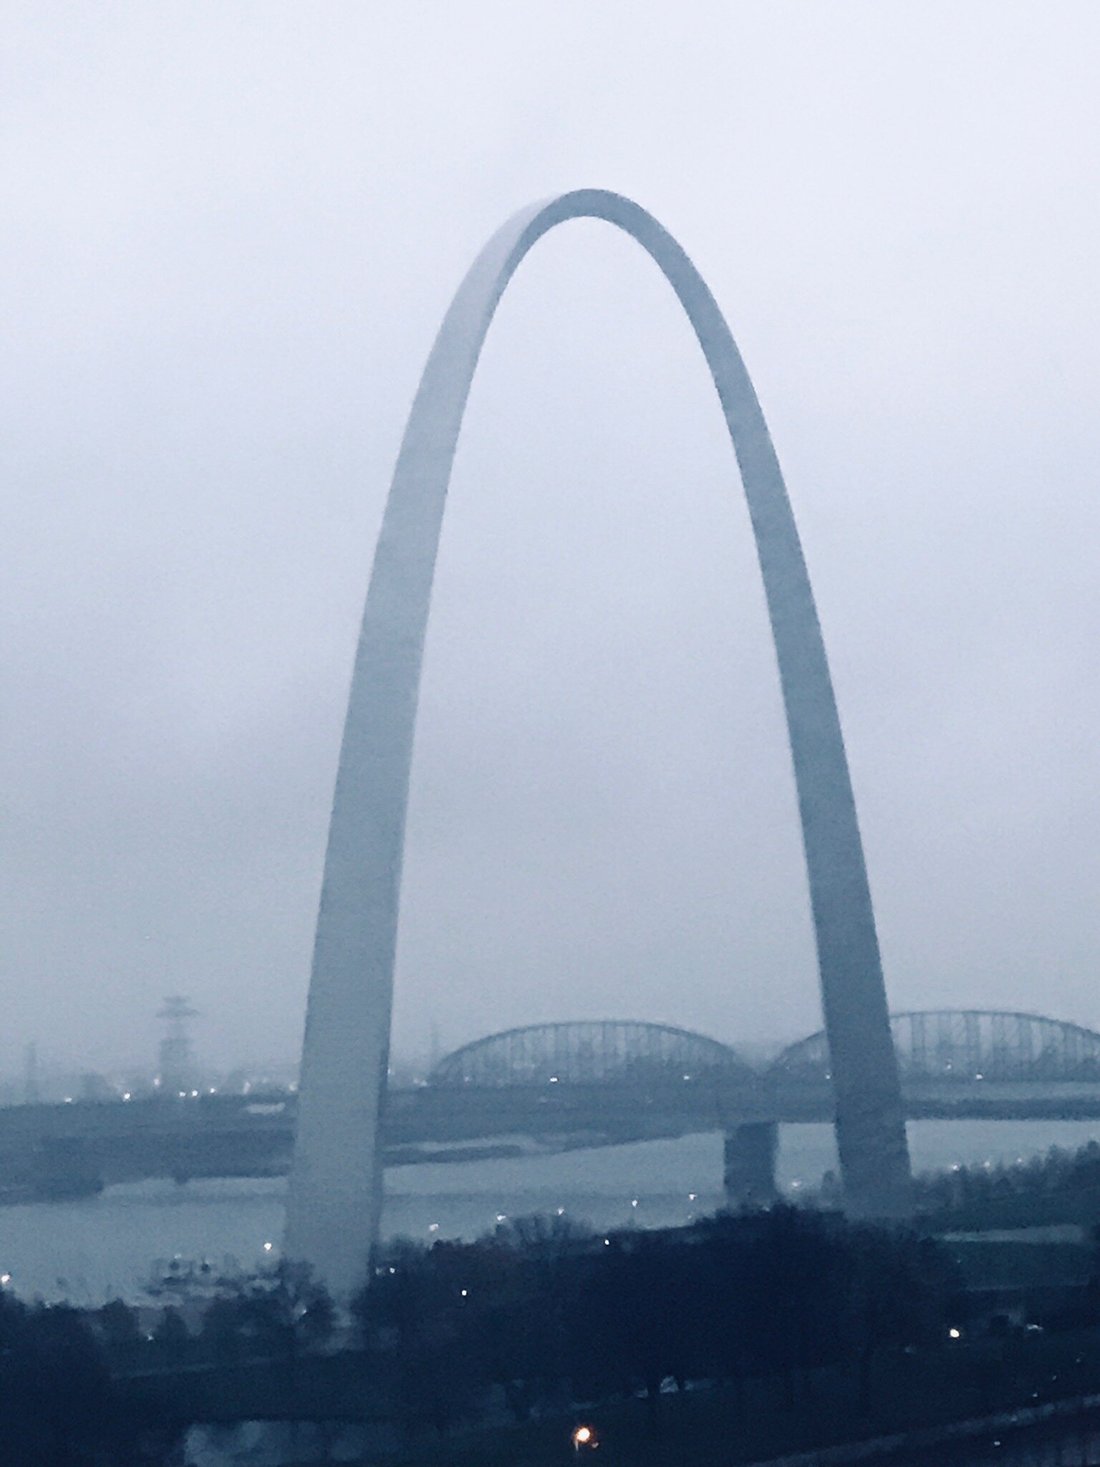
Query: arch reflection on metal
(335, 1189)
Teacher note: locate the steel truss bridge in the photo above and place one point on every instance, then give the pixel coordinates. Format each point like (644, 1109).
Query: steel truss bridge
(563, 1085)
(600, 1052)
(942, 1045)
(970, 1046)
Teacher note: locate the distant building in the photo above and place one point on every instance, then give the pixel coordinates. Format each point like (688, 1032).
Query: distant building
(176, 1071)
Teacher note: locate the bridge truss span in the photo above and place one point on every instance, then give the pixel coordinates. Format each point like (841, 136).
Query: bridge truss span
(967, 1045)
(590, 1052)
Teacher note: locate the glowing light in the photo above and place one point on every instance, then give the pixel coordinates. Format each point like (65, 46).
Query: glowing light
(584, 1436)
(502, 1217)
(433, 1227)
(5, 1278)
(691, 1196)
(464, 1292)
(126, 1095)
(268, 1247)
(561, 1211)
(954, 1334)
(634, 1202)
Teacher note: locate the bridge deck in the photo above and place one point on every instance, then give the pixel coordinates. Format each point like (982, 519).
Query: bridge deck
(73, 1149)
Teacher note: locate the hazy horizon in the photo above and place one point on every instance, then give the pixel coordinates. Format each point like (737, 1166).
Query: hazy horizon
(231, 234)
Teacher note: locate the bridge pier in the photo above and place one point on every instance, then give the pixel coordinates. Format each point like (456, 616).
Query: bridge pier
(748, 1164)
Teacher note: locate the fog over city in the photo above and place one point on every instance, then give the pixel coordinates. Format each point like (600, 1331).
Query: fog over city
(229, 236)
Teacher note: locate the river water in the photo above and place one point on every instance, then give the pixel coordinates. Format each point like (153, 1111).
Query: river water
(92, 1250)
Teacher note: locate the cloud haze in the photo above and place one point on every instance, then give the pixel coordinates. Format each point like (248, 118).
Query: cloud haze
(229, 235)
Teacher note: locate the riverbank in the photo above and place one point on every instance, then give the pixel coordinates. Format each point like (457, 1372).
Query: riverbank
(93, 1250)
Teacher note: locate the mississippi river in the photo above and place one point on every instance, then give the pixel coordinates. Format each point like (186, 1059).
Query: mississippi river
(89, 1251)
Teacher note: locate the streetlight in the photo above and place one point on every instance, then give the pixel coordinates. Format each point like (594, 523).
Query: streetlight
(584, 1436)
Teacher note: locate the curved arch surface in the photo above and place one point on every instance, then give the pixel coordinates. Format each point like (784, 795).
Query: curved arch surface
(335, 1187)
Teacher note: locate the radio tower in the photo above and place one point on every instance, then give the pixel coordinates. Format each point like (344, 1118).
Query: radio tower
(177, 1060)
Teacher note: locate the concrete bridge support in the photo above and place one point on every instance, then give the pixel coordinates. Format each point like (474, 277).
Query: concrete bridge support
(748, 1164)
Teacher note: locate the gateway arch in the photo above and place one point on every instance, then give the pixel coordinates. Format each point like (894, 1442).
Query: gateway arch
(335, 1190)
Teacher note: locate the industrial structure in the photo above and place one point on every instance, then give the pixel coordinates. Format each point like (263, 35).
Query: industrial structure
(176, 1058)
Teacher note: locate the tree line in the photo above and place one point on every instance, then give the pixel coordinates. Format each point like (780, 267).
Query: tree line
(1057, 1186)
(545, 1317)
(58, 1405)
(542, 1315)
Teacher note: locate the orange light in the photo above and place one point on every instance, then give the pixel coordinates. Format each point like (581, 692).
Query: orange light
(584, 1436)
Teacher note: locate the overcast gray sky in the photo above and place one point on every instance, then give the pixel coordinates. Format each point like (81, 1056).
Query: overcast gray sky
(229, 233)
